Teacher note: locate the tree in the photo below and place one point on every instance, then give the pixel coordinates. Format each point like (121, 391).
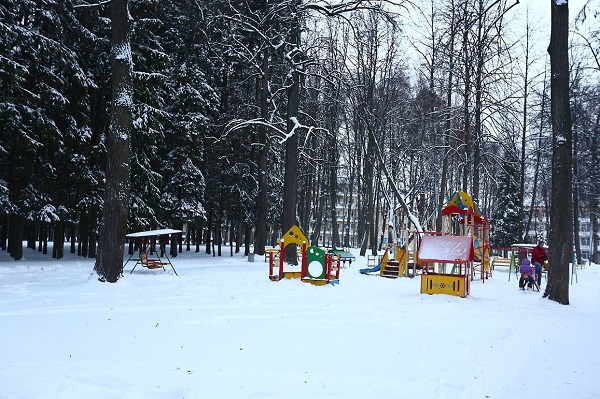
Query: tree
(116, 195)
(506, 219)
(560, 236)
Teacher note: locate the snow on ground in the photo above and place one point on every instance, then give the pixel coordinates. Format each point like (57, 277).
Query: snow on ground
(222, 329)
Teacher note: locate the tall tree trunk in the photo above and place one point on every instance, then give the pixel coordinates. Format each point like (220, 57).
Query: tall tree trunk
(117, 186)
(58, 249)
(247, 239)
(448, 125)
(466, 114)
(73, 235)
(260, 238)
(318, 213)
(209, 229)
(561, 221)
(576, 224)
(368, 195)
(15, 236)
(3, 231)
(219, 226)
(521, 233)
(335, 234)
(478, 134)
(84, 235)
(595, 253)
(538, 161)
(290, 183)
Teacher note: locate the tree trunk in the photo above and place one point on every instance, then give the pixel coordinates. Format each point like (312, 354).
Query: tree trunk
(595, 254)
(522, 233)
(576, 224)
(263, 150)
(209, 229)
(219, 226)
(3, 231)
(58, 249)
(15, 236)
(478, 134)
(43, 234)
(538, 161)
(247, 237)
(368, 188)
(466, 151)
(73, 234)
(333, 188)
(448, 124)
(84, 235)
(561, 221)
(116, 195)
(291, 145)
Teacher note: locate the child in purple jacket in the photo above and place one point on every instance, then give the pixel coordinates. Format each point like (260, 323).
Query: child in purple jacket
(526, 274)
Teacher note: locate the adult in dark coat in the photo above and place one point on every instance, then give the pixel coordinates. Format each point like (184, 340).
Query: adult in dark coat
(538, 257)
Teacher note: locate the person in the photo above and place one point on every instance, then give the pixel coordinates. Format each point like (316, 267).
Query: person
(526, 274)
(538, 257)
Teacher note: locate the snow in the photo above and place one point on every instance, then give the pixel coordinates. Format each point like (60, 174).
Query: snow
(446, 248)
(150, 233)
(222, 329)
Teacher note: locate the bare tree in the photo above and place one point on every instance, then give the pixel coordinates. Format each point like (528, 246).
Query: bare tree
(561, 206)
(116, 195)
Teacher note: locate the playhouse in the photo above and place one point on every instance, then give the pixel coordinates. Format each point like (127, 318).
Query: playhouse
(317, 267)
(463, 245)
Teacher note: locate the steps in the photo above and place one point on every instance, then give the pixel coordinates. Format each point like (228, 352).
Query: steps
(391, 269)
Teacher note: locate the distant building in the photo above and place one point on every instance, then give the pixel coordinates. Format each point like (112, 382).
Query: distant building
(539, 230)
(346, 211)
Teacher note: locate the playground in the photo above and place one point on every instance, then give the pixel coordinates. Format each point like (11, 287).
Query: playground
(447, 260)
(223, 329)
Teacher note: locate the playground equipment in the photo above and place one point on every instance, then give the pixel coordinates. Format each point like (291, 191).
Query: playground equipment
(343, 254)
(457, 250)
(317, 266)
(377, 268)
(464, 244)
(395, 267)
(461, 216)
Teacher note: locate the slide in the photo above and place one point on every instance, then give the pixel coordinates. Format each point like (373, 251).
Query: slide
(370, 269)
(384, 260)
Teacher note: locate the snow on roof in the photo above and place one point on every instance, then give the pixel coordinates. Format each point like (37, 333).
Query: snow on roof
(152, 233)
(446, 249)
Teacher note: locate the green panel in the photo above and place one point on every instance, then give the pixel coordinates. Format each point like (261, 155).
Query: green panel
(318, 255)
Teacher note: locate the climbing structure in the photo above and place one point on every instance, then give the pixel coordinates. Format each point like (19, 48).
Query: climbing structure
(461, 216)
(451, 259)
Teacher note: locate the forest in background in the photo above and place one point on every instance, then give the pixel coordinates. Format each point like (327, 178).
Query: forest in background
(450, 95)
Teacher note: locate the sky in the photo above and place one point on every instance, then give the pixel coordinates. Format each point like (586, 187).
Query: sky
(222, 329)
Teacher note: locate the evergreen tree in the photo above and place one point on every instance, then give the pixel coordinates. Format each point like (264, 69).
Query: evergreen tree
(505, 218)
(44, 109)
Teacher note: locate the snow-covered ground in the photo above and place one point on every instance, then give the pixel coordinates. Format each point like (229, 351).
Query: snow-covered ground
(222, 329)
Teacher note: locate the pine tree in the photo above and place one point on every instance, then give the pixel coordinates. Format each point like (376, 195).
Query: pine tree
(505, 220)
